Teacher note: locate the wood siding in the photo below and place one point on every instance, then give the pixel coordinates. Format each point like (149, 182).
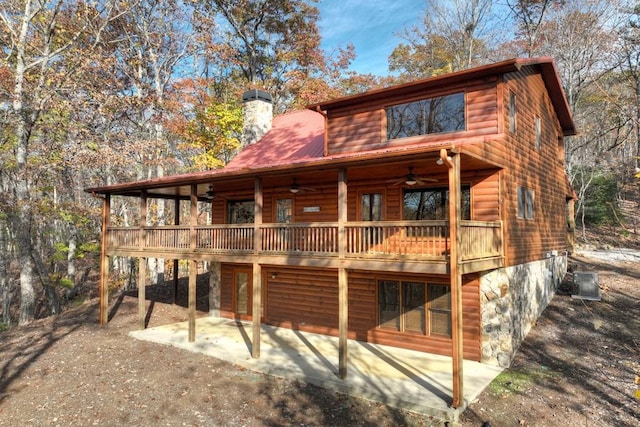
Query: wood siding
(541, 170)
(485, 198)
(365, 129)
(307, 300)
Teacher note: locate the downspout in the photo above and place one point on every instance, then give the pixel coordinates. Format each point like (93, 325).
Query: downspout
(455, 277)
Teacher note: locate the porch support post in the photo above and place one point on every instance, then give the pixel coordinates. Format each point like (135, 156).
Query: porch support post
(453, 164)
(104, 262)
(176, 262)
(343, 282)
(142, 261)
(256, 309)
(215, 286)
(193, 264)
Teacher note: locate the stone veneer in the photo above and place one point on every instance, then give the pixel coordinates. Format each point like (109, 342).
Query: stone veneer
(511, 300)
(257, 116)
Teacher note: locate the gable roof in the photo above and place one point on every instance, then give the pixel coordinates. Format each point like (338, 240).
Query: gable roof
(297, 139)
(544, 65)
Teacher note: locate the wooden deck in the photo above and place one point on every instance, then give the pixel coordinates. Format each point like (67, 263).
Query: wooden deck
(417, 246)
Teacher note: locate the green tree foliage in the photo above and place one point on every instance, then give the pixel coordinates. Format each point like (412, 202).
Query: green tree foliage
(600, 205)
(214, 135)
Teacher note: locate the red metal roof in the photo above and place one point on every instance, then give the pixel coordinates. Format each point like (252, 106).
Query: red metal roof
(296, 137)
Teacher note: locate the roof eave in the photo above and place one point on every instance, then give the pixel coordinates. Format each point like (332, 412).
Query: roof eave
(546, 65)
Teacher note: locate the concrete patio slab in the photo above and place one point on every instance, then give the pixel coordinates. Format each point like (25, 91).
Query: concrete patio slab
(412, 380)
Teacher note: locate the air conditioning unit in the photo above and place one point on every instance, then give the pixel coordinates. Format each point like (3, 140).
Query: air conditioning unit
(585, 286)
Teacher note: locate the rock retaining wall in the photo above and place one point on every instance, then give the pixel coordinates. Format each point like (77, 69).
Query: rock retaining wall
(511, 300)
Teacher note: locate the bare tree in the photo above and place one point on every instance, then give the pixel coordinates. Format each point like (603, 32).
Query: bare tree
(452, 36)
(37, 38)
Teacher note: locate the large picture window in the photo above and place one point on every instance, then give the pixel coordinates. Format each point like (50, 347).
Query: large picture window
(435, 115)
(240, 211)
(414, 307)
(432, 203)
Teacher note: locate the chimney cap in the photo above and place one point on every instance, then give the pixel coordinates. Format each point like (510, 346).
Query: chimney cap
(256, 94)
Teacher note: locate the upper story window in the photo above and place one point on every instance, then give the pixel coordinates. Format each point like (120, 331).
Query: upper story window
(513, 113)
(538, 130)
(240, 211)
(435, 115)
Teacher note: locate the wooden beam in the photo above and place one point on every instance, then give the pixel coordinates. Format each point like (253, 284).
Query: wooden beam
(104, 263)
(343, 319)
(193, 264)
(453, 165)
(215, 286)
(343, 279)
(142, 262)
(176, 262)
(142, 285)
(193, 278)
(256, 309)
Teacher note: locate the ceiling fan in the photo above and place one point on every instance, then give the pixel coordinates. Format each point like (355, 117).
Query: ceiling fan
(411, 179)
(295, 188)
(209, 194)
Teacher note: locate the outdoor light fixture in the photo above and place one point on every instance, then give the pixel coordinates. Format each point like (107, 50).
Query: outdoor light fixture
(440, 162)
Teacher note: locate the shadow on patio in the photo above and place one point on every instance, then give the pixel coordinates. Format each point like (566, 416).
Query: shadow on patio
(401, 378)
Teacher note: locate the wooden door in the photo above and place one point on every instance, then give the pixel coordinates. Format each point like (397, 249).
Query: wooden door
(242, 293)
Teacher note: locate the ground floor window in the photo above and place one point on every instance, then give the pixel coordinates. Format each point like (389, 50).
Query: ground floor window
(414, 307)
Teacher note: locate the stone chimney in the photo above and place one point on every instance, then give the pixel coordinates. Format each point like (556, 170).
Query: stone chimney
(257, 115)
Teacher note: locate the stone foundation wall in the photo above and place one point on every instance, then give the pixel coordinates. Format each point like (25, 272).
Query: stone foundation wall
(511, 300)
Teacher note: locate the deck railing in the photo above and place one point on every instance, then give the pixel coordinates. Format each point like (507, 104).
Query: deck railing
(381, 239)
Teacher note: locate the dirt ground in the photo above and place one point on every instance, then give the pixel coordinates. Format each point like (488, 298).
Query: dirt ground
(578, 367)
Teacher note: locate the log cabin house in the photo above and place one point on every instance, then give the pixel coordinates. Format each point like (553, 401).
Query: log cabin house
(430, 215)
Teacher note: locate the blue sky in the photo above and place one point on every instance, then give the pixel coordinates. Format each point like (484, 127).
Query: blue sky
(370, 25)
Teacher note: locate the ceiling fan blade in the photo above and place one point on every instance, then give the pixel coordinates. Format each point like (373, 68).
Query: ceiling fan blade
(423, 180)
(396, 182)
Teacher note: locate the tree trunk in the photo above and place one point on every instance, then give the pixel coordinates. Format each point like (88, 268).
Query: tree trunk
(71, 260)
(5, 294)
(27, 291)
